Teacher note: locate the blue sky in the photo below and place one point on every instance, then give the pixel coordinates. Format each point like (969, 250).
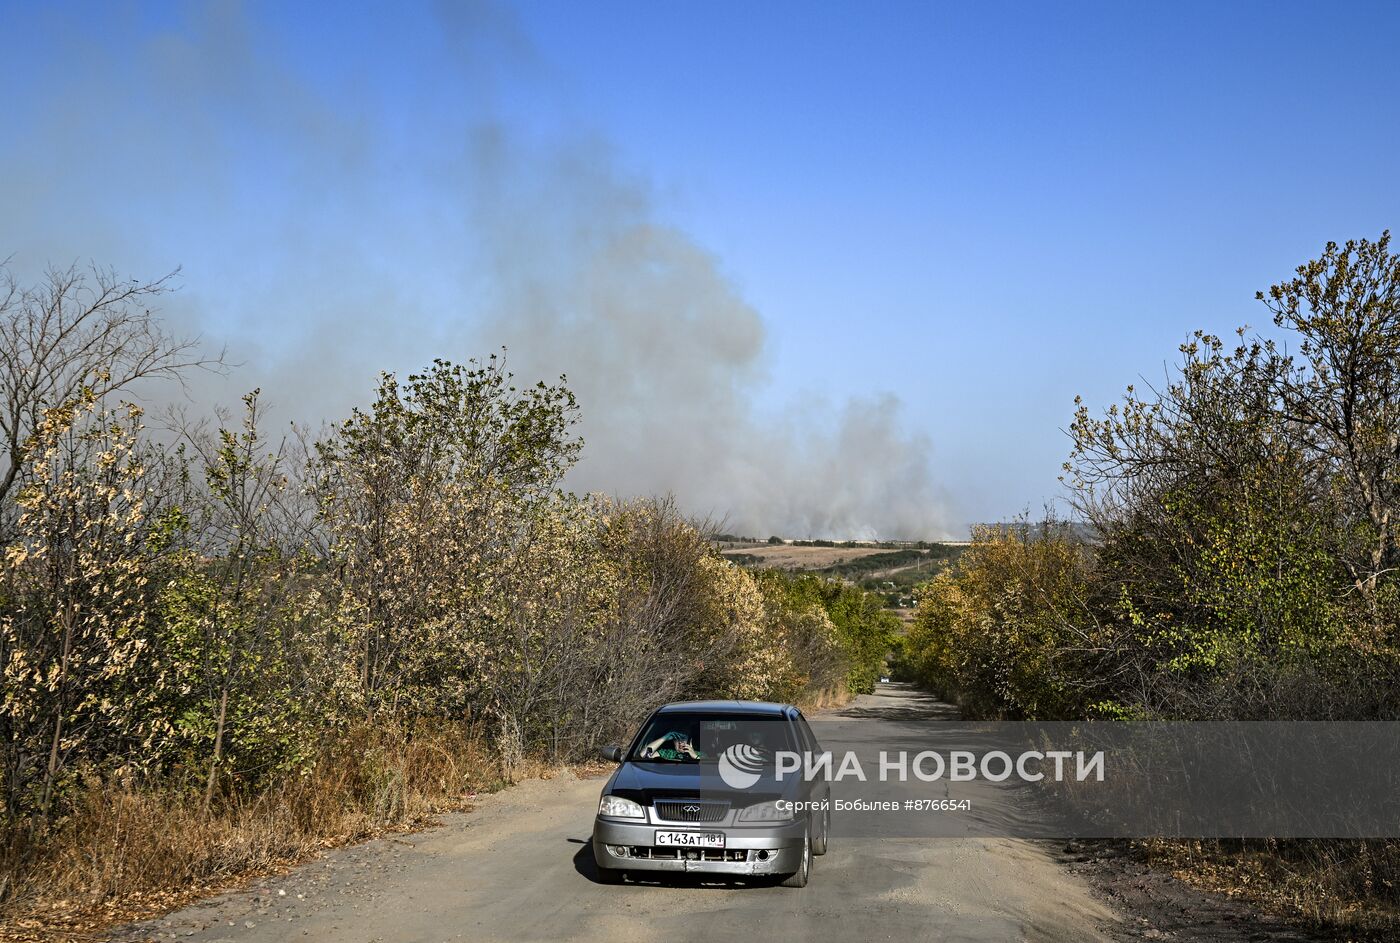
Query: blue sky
(981, 209)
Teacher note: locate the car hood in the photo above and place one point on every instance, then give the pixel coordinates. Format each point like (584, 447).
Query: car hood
(645, 781)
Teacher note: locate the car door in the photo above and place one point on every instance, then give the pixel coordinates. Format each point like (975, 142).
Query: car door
(808, 739)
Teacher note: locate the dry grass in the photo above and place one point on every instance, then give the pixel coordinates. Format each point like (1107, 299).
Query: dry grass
(788, 557)
(1349, 885)
(825, 699)
(1347, 888)
(124, 853)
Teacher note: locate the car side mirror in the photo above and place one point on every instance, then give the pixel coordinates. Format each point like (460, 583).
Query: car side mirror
(612, 753)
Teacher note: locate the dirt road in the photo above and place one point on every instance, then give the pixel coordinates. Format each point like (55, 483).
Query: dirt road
(519, 867)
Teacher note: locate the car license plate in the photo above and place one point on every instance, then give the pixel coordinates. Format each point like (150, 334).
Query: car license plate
(690, 839)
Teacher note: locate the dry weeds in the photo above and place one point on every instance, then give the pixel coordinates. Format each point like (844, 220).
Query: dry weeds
(123, 853)
(787, 557)
(1349, 885)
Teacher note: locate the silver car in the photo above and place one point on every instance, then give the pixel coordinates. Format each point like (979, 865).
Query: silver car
(699, 789)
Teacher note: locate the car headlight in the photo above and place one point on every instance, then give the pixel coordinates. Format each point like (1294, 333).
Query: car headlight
(771, 811)
(620, 808)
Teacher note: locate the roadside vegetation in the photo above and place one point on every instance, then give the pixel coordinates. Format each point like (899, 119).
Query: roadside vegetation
(1242, 562)
(222, 646)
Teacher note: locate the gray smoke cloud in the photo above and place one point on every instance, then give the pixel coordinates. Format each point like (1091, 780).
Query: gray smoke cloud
(358, 252)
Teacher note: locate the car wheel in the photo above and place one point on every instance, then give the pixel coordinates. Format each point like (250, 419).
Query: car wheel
(611, 876)
(823, 830)
(800, 876)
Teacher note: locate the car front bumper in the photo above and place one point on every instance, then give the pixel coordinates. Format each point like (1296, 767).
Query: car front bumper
(750, 850)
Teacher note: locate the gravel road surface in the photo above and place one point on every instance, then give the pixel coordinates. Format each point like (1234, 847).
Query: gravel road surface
(519, 868)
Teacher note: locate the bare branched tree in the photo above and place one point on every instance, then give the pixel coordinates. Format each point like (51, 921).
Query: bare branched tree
(77, 328)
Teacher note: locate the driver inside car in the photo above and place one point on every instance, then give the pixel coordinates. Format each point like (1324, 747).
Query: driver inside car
(671, 746)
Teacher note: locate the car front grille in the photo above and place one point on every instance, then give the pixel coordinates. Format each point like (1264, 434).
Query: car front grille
(694, 854)
(690, 810)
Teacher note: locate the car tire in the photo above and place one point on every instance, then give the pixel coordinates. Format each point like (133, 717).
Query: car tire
(611, 875)
(823, 830)
(799, 877)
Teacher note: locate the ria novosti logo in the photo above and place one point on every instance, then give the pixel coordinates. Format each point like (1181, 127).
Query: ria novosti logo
(741, 765)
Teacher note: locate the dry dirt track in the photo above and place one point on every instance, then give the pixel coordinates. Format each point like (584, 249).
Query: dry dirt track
(519, 868)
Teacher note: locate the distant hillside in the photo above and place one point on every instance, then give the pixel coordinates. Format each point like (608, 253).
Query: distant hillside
(892, 574)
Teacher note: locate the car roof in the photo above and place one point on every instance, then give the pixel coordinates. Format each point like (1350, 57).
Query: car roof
(757, 708)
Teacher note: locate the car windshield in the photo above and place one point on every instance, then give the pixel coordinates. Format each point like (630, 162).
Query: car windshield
(676, 737)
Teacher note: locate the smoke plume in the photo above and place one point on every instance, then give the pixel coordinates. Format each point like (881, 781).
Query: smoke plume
(324, 239)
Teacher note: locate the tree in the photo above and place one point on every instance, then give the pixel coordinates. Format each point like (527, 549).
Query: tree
(76, 330)
(1344, 395)
(1245, 512)
(78, 578)
(224, 611)
(1005, 632)
(427, 494)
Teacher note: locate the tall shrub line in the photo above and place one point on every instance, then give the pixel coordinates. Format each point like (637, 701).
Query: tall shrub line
(1234, 557)
(211, 613)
